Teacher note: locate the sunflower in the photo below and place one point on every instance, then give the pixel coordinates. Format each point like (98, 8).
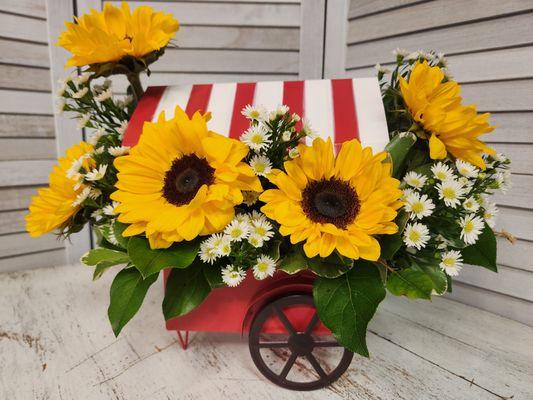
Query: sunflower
(55, 205)
(114, 33)
(181, 180)
(335, 203)
(436, 105)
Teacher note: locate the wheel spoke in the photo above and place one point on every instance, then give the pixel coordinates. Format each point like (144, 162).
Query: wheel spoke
(283, 318)
(290, 362)
(273, 345)
(327, 344)
(316, 366)
(312, 324)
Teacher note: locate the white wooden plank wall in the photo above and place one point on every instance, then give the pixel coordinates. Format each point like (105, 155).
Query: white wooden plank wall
(27, 138)
(489, 44)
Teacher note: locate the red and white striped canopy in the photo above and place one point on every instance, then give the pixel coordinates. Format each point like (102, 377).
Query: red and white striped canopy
(342, 109)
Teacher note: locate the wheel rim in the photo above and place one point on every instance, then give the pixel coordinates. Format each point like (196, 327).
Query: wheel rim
(298, 345)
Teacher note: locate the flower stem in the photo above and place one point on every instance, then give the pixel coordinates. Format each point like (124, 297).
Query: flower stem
(136, 87)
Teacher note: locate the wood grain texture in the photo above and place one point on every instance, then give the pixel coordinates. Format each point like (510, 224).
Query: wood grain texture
(517, 221)
(24, 173)
(517, 255)
(21, 53)
(22, 28)
(16, 198)
(40, 259)
(56, 331)
(35, 8)
(12, 101)
(359, 8)
(25, 126)
(27, 149)
(519, 195)
(12, 221)
(22, 243)
(16, 77)
(520, 155)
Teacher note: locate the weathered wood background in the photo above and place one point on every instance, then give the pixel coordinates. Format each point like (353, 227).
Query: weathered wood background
(56, 343)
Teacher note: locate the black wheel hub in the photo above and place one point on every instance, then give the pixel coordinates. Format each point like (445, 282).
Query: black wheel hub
(301, 344)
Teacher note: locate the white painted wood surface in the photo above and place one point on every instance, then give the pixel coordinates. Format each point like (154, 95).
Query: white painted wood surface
(56, 343)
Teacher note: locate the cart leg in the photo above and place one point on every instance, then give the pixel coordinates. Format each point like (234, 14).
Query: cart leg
(183, 342)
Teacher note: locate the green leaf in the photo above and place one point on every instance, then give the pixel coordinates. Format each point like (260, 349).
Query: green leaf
(401, 220)
(398, 148)
(293, 262)
(436, 274)
(149, 261)
(118, 228)
(330, 267)
(483, 252)
(346, 304)
(410, 282)
(390, 244)
(185, 290)
(127, 294)
(273, 249)
(95, 256)
(102, 267)
(213, 275)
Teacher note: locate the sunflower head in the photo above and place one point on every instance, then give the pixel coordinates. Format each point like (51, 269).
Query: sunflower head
(335, 203)
(436, 105)
(181, 180)
(55, 205)
(114, 33)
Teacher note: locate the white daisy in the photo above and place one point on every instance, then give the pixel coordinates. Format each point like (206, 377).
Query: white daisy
(467, 184)
(442, 242)
(233, 276)
(264, 267)
(81, 197)
(471, 205)
(221, 244)
(384, 70)
(295, 117)
(293, 153)
(500, 157)
(208, 253)
(286, 136)
(256, 137)
(95, 137)
(97, 173)
(74, 171)
(122, 129)
(237, 230)
(308, 130)
(99, 150)
(282, 109)
(503, 180)
(471, 227)
(253, 113)
(117, 151)
(80, 93)
(416, 235)
(451, 262)
(442, 172)
(83, 119)
(60, 106)
(256, 240)
(415, 179)
(257, 217)
(110, 208)
(263, 229)
(96, 214)
(489, 214)
(261, 165)
(406, 193)
(82, 78)
(419, 206)
(400, 52)
(94, 193)
(451, 191)
(466, 169)
(104, 95)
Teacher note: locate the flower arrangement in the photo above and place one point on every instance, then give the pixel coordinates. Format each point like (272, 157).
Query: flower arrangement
(214, 210)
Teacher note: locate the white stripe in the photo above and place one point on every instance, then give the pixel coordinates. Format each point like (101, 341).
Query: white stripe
(318, 106)
(221, 107)
(268, 95)
(173, 96)
(371, 119)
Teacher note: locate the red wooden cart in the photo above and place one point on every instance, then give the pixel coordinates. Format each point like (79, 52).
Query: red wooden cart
(288, 343)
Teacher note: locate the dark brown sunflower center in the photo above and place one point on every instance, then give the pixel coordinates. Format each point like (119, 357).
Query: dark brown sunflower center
(185, 176)
(330, 201)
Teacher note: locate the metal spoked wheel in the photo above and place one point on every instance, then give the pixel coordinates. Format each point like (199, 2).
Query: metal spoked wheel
(296, 358)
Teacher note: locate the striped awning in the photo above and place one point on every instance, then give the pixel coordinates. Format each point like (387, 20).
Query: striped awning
(342, 109)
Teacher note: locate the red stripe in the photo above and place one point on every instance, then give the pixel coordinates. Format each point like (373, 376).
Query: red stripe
(344, 114)
(244, 95)
(198, 99)
(143, 112)
(293, 97)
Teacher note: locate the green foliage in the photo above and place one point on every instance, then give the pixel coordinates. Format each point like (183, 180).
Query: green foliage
(103, 259)
(127, 294)
(347, 303)
(149, 261)
(293, 262)
(330, 267)
(410, 282)
(398, 148)
(186, 289)
(390, 244)
(213, 275)
(436, 274)
(483, 252)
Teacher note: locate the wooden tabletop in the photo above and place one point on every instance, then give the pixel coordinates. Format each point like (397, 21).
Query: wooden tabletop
(56, 343)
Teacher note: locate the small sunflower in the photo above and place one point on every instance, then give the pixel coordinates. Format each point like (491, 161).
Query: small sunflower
(114, 33)
(335, 203)
(436, 105)
(181, 180)
(55, 205)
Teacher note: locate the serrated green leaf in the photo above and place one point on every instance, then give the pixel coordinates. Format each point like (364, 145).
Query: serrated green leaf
(346, 304)
(330, 267)
(150, 261)
(483, 252)
(412, 283)
(436, 274)
(95, 256)
(127, 294)
(185, 290)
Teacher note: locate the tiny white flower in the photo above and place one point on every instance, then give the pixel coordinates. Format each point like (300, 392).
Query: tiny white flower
(117, 151)
(110, 208)
(62, 87)
(82, 78)
(415, 179)
(264, 267)
(95, 137)
(122, 129)
(416, 235)
(500, 157)
(60, 106)
(442, 242)
(295, 117)
(253, 113)
(237, 230)
(384, 70)
(466, 169)
(96, 214)
(466, 183)
(97, 173)
(489, 214)
(503, 180)
(80, 93)
(261, 165)
(308, 130)
(282, 110)
(242, 217)
(99, 150)
(451, 262)
(257, 217)
(470, 204)
(103, 96)
(286, 136)
(414, 55)
(233, 276)
(471, 227)
(293, 153)
(442, 172)
(221, 244)
(82, 196)
(407, 134)
(256, 240)
(74, 171)
(94, 193)
(256, 137)
(451, 191)
(262, 228)
(208, 253)
(419, 206)
(83, 119)
(400, 52)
